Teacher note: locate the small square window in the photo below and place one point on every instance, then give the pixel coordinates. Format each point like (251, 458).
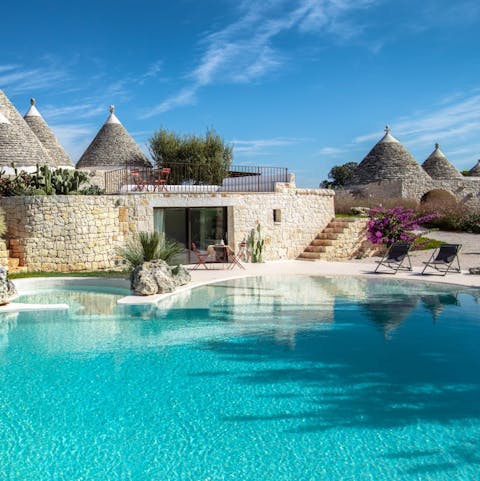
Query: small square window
(277, 215)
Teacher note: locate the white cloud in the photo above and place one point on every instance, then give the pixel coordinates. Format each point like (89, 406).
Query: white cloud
(454, 122)
(333, 151)
(262, 146)
(74, 137)
(18, 80)
(244, 50)
(6, 68)
(456, 118)
(81, 111)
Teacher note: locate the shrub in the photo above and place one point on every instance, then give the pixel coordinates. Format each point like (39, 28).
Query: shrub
(148, 246)
(452, 216)
(444, 212)
(345, 200)
(387, 226)
(92, 190)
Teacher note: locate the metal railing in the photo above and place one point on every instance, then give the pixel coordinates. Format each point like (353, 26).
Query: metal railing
(194, 178)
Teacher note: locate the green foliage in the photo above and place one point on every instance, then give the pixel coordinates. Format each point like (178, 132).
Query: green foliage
(206, 159)
(256, 244)
(422, 243)
(103, 274)
(45, 181)
(458, 222)
(148, 246)
(92, 190)
(339, 176)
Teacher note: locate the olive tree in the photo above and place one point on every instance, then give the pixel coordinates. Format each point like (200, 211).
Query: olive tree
(340, 175)
(192, 158)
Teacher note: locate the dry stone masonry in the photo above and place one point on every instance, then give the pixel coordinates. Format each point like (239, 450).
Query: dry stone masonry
(73, 233)
(389, 171)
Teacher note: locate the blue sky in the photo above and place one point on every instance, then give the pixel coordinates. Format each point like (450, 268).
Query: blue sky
(305, 84)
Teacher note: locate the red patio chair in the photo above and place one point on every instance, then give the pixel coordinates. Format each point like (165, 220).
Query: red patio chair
(160, 182)
(137, 179)
(201, 258)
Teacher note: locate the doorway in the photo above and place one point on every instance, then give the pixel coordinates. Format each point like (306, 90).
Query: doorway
(202, 225)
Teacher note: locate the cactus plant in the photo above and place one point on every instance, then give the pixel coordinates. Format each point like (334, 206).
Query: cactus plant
(256, 244)
(45, 181)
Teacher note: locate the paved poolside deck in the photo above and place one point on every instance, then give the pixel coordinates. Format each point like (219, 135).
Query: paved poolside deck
(318, 268)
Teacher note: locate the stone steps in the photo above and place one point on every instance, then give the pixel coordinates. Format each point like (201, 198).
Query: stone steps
(12, 256)
(342, 239)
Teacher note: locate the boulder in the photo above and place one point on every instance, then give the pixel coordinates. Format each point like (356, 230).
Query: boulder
(361, 211)
(157, 277)
(7, 288)
(474, 270)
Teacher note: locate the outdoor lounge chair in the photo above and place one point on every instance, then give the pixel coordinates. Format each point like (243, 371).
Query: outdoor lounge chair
(395, 256)
(443, 257)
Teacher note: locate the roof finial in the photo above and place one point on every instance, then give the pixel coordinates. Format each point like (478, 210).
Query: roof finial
(387, 129)
(111, 108)
(32, 101)
(437, 146)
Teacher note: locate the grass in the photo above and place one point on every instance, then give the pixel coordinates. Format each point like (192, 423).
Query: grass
(425, 243)
(105, 274)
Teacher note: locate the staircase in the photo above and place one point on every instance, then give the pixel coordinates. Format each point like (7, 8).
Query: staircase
(344, 238)
(11, 258)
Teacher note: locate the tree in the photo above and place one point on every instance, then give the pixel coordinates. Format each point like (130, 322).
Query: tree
(340, 175)
(192, 158)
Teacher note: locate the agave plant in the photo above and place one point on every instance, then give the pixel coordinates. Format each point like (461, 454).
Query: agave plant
(149, 246)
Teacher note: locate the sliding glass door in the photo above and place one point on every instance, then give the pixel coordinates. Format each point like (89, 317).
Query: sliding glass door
(202, 225)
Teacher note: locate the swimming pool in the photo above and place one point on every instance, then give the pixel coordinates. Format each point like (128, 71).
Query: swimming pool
(252, 379)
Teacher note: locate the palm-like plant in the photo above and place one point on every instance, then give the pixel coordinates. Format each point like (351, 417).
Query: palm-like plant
(149, 246)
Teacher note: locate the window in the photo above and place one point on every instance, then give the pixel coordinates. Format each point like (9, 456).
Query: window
(277, 216)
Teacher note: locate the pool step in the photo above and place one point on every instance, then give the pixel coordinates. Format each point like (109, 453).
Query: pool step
(342, 239)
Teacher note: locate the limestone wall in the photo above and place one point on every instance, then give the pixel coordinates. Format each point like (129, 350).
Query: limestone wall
(464, 189)
(303, 214)
(62, 233)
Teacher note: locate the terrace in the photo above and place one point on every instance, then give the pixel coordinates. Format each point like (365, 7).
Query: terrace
(183, 177)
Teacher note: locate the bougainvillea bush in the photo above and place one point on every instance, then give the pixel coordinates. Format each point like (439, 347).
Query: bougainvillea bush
(387, 226)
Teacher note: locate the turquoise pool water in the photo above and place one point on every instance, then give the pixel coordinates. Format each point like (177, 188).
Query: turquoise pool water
(253, 379)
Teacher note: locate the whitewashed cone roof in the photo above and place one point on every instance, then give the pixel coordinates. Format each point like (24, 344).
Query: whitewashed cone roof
(47, 138)
(21, 146)
(112, 147)
(388, 159)
(439, 167)
(475, 170)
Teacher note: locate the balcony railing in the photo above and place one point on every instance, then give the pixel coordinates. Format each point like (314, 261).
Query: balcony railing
(191, 178)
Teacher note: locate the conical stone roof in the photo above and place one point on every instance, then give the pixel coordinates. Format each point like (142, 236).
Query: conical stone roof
(388, 159)
(475, 170)
(112, 147)
(439, 167)
(22, 146)
(47, 138)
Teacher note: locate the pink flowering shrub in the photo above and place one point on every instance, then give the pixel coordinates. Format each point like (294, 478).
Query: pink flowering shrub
(387, 226)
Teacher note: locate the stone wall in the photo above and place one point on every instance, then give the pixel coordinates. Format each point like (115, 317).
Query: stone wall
(464, 189)
(63, 233)
(70, 233)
